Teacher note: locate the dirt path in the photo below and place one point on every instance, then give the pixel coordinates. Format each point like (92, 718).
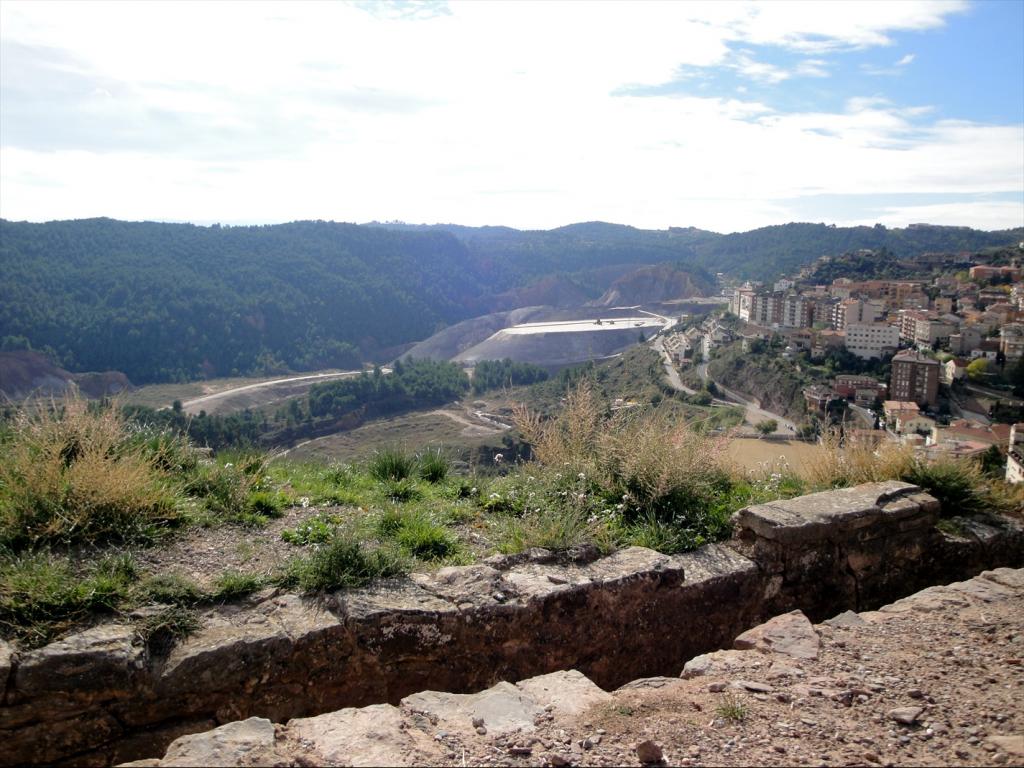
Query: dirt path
(475, 428)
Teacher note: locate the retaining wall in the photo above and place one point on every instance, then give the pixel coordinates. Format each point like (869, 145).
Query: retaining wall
(98, 697)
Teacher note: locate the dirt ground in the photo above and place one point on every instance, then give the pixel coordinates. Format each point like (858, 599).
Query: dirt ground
(752, 453)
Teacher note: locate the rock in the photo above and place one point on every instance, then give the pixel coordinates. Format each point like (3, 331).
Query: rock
(790, 634)
(716, 687)
(520, 751)
(846, 620)
(915, 693)
(243, 742)
(6, 659)
(752, 686)
(558, 761)
(648, 752)
(906, 715)
(478, 722)
(362, 737)
(1013, 745)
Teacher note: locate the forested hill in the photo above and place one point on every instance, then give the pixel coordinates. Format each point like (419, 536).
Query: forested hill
(172, 301)
(764, 253)
(769, 252)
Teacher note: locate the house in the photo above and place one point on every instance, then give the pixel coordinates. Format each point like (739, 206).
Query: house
(987, 348)
(1015, 458)
(895, 409)
(911, 422)
(818, 397)
(964, 340)
(953, 370)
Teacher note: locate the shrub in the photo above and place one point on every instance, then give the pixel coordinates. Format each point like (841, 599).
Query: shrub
(434, 466)
(392, 464)
(836, 465)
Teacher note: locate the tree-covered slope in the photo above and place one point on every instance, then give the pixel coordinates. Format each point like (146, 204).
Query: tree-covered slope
(168, 301)
(769, 252)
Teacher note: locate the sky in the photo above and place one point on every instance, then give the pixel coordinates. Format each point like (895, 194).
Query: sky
(724, 116)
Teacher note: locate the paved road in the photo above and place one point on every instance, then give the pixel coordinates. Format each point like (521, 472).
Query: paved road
(670, 369)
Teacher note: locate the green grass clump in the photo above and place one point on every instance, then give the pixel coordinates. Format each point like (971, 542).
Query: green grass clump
(316, 530)
(425, 539)
(434, 466)
(171, 588)
(392, 464)
(161, 631)
(732, 709)
(960, 486)
(232, 585)
(41, 595)
(343, 562)
(267, 503)
(400, 491)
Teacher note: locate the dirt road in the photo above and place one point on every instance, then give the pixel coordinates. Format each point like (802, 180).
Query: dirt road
(262, 393)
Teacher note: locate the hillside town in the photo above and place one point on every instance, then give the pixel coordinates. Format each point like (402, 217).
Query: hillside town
(934, 360)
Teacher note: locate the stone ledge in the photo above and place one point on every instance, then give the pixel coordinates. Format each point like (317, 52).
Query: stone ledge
(97, 697)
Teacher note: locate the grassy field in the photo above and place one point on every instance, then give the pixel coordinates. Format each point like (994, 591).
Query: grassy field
(411, 431)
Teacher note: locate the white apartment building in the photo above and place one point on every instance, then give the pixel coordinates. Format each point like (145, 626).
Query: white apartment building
(867, 340)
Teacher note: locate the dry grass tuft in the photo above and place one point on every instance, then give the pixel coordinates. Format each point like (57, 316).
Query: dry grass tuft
(837, 466)
(69, 472)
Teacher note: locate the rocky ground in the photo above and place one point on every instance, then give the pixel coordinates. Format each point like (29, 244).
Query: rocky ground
(934, 679)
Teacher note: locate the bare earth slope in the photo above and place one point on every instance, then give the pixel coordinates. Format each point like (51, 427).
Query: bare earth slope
(933, 679)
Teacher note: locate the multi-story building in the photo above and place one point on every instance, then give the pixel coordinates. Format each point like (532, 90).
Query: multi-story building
(964, 340)
(908, 323)
(1011, 341)
(855, 311)
(929, 331)
(988, 273)
(797, 311)
(915, 378)
(868, 340)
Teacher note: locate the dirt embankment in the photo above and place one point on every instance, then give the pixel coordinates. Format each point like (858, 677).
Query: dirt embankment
(25, 373)
(654, 285)
(771, 382)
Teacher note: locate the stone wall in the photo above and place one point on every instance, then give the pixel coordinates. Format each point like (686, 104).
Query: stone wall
(97, 697)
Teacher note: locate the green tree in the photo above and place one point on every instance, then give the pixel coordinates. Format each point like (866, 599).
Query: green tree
(976, 369)
(766, 427)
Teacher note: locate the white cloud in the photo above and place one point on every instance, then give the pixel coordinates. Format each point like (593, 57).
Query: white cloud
(905, 60)
(494, 113)
(978, 214)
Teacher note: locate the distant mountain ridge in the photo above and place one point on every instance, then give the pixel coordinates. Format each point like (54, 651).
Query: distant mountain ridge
(165, 302)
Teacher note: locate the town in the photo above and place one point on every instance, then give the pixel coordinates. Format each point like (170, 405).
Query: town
(932, 358)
